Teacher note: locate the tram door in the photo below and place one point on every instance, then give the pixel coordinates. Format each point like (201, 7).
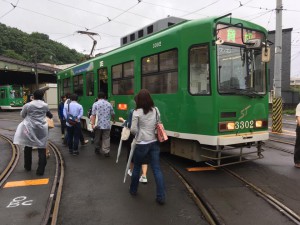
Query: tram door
(102, 82)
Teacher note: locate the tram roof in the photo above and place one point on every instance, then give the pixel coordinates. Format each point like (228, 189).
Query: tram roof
(175, 26)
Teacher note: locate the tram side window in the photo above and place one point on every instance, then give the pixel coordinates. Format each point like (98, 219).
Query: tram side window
(2, 94)
(17, 91)
(199, 78)
(122, 79)
(102, 84)
(160, 72)
(78, 85)
(67, 85)
(89, 84)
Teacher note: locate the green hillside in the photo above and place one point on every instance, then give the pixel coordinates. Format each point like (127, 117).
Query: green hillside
(17, 44)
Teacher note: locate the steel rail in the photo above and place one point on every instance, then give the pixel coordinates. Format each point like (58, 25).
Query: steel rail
(278, 148)
(51, 212)
(283, 142)
(12, 163)
(204, 209)
(270, 199)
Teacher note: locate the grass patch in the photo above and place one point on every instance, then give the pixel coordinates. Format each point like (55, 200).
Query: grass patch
(289, 111)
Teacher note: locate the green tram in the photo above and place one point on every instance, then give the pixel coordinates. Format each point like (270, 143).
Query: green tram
(11, 97)
(208, 78)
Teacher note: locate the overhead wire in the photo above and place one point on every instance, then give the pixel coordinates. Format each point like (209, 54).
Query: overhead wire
(14, 6)
(241, 5)
(51, 17)
(136, 14)
(201, 8)
(90, 12)
(117, 15)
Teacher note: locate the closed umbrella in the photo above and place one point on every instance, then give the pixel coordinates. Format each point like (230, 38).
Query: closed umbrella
(129, 158)
(124, 136)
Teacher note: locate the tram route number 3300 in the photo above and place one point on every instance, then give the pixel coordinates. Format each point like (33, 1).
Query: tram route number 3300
(243, 124)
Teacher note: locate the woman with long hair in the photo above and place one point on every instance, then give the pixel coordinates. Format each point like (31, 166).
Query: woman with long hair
(143, 126)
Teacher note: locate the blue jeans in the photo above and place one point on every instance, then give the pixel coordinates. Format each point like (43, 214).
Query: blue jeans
(152, 151)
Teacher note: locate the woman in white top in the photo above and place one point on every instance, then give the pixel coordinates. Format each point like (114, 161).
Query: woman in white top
(143, 126)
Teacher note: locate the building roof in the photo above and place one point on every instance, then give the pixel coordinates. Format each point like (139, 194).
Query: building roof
(28, 64)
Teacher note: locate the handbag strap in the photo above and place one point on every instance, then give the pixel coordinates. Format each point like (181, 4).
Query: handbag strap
(157, 120)
(69, 106)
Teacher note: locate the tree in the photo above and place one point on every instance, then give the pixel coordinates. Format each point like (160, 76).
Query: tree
(19, 45)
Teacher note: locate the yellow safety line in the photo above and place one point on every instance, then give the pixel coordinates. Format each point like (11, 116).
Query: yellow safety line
(23, 183)
(194, 169)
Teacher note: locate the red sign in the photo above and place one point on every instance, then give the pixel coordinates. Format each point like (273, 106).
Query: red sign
(234, 34)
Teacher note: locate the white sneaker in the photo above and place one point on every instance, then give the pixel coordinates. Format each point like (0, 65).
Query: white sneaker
(129, 172)
(63, 136)
(143, 179)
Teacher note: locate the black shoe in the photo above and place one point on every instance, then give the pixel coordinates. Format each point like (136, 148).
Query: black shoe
(160, 201)
(107, 154)
(132, 193)
(39, 173)
(27, 168)
(75, 153)
(97, 152)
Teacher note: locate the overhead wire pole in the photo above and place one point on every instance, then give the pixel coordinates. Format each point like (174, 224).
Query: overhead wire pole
(90, 34)
(277, 99)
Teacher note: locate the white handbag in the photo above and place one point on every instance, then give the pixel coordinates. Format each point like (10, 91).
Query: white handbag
(125, 134)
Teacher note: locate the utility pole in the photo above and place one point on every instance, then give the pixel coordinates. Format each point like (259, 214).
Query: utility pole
(35, 70)
(277, 100)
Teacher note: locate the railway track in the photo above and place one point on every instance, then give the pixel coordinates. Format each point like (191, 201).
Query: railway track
(52, 207)
(12, 163)
(269, 145)
(269, 198)
(213, 217)
(207, 212)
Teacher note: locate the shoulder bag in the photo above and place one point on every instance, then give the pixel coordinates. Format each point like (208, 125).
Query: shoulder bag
(161, 133)
(70, 118)
(50, 122)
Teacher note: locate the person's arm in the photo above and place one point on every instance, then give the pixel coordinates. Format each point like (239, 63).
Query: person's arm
(134, 123)
(298, 120)
(80, 113)
(61, 111)
(298, 114)
(23, 113)
(129, 120)
(65, 111)
(49, 114)
(93, 116)
(112, 112)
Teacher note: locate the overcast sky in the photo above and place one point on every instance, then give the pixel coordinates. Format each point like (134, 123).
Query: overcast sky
(113, 19)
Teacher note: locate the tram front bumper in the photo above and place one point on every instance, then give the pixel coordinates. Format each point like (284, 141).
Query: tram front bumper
(243, 138)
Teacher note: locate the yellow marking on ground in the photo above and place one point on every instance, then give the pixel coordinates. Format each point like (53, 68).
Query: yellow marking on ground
(194, 169)
(23, 183)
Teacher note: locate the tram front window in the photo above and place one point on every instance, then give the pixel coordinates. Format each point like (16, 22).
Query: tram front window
(240, 71)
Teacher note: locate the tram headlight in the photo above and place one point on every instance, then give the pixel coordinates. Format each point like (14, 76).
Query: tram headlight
(226, 126)
(261, 123)
(230, 126)
(258, 123)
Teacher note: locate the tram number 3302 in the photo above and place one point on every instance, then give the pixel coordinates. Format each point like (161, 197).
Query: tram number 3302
(243, 124)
